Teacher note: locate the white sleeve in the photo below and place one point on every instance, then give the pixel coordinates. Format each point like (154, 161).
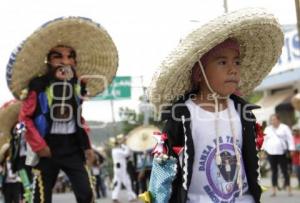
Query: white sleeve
(267, 133)
(126, 150)
(290, 139)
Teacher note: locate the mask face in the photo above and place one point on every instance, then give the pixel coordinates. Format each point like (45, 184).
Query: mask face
(64, 73)
(61, 60)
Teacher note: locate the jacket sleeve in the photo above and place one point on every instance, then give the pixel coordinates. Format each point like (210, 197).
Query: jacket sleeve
(250, 158)
(32, 135)
(86, 138)
(290, 139)
(174, 130)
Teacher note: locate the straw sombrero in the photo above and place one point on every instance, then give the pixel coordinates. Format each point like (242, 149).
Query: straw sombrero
(258, 33)
(141, 138)
(97, 57)
(112, 142)
(8, 118)
(3, 149)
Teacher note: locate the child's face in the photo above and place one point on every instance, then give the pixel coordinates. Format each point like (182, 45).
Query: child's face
(223, 72)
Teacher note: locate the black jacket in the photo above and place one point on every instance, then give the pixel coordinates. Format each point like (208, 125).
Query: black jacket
(79, 140)
(179, 128)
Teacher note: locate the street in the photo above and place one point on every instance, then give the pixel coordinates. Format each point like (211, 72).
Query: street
(282, 196)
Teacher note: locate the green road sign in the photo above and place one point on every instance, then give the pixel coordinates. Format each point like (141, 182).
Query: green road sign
(118, 90)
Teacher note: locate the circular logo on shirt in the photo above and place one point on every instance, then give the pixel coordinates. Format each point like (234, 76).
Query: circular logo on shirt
(222, 179)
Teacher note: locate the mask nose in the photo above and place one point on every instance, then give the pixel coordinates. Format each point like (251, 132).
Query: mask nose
(66, 61)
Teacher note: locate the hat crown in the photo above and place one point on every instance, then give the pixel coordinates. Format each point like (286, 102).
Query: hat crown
(257, 31)
(97, 56)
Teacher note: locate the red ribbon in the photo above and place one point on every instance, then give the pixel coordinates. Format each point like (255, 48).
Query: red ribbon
(259, 136)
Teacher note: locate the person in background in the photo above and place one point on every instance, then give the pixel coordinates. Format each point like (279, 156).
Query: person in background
(14, 167)
(119, 155)
(278, 140)
(12, 185)
(143, 164)
(96, 172)
(296, 155)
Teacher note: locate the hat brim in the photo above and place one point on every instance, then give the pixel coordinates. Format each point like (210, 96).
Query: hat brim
(8, 118)
(260, 38)
(296, 102)
(97, 56)
(140, 139)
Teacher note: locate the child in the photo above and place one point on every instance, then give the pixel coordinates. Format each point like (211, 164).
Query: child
(211, 132)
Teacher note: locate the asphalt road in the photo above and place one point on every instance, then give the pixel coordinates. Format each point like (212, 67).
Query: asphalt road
(282, 196)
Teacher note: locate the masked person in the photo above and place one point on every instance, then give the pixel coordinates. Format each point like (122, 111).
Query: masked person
(53, 70)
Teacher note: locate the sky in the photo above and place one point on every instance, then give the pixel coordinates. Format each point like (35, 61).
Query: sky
(144, 31)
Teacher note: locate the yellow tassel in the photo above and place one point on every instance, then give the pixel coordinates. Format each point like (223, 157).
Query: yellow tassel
(23, 94)
(264, 188)
(145, 197)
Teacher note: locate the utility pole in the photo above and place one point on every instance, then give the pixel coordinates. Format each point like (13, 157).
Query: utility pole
(145, 104)
(114, 125)
(297, 5)
(226, 6)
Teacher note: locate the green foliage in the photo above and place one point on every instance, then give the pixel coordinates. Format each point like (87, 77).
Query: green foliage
(254, 97)
(131, 119)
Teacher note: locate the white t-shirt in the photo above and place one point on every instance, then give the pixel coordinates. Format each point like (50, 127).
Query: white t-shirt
(210, 182)
(276, 139)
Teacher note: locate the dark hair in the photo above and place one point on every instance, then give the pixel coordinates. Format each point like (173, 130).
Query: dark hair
(50, 52)
(195, 76)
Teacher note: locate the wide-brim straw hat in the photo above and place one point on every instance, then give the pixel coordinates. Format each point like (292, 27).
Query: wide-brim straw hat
(260, 38)
(3, 150)
(141, 138)
(296, 102)
(112, 142)
(97, 56)
(9, 113)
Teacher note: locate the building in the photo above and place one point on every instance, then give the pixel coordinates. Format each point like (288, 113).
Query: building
(283, 82)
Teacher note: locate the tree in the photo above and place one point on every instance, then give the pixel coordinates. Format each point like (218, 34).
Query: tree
(131, 119)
